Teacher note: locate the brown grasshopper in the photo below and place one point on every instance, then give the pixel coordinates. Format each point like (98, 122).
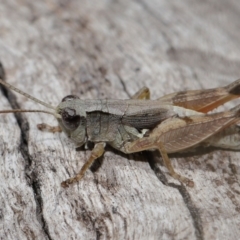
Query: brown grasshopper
(172, 123)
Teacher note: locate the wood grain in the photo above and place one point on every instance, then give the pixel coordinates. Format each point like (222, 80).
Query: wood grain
(109, 49)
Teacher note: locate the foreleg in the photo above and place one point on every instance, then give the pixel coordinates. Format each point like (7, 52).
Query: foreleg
(97, 152)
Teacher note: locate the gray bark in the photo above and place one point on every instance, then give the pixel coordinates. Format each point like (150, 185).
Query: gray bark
(109, 49)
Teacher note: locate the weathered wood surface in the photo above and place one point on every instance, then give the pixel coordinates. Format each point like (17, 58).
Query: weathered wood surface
(99, 49)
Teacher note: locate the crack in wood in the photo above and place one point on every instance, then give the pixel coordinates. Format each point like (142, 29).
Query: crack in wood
(31, 178)
(193, 210)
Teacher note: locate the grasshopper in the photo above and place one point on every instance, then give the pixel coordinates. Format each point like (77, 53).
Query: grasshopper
(173, 123)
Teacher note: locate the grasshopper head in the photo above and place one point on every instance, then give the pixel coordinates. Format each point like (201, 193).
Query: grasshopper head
(73, 118)
(70, 119)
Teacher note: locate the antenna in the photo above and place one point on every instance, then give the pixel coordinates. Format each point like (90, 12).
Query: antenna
(30, 97)
(26, 95)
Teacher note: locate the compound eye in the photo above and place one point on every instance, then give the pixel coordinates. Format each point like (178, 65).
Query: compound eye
(70, 119)
(69, 98)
